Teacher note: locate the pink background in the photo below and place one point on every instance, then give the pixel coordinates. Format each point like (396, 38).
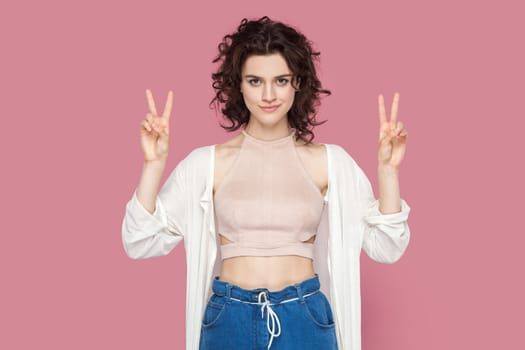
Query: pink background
(72, 93)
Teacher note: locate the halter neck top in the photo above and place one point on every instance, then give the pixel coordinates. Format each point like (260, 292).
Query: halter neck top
(266, 203)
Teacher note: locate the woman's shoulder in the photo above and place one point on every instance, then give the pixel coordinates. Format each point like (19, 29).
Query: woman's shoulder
(341, 161)
(198, 157)
(337, 151)
(229, 147)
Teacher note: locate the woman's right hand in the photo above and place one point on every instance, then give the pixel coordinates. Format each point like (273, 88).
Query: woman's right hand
(154, 130)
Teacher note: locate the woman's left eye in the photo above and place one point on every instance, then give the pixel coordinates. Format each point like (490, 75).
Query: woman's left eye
(282, 81)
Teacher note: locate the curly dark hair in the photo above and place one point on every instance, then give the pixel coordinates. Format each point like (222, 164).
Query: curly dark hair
(262, 37)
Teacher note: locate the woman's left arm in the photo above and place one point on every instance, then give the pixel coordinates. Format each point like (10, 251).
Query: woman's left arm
(392, 147)
(387, 232)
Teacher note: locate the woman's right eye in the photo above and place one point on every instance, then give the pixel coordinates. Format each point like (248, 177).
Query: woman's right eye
(253, 81)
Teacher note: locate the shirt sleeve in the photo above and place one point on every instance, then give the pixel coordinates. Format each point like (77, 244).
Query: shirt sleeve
(386, 236)
(146, 235)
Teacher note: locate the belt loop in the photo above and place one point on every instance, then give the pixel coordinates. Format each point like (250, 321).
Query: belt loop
(299, 292)
(228, 293)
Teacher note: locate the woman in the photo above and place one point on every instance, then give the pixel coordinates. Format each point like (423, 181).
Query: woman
(267, 270)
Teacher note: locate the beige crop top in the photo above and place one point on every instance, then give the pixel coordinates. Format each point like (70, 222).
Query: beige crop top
(266, 203)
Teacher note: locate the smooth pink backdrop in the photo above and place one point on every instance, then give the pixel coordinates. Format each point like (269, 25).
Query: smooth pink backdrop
(72, 83)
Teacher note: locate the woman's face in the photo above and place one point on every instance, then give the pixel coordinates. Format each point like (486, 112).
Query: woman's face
(267, 82)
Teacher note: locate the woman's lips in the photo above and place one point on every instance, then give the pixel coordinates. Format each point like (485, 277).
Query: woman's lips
(270, 108)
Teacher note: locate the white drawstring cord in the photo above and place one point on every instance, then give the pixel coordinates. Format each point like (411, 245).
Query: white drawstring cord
(270, 314)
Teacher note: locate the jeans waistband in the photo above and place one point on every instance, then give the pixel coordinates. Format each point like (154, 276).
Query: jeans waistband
(297, 290)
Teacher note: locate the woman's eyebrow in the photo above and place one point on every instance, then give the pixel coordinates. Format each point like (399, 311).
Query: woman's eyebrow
(255, 76)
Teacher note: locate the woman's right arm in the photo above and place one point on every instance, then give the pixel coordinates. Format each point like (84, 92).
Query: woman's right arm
(149, 183)
(153, 221)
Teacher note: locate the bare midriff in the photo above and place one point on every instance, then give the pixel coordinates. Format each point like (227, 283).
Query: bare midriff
(271, 272)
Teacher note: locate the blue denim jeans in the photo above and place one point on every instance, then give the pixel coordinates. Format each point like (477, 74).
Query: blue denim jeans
(298, 316)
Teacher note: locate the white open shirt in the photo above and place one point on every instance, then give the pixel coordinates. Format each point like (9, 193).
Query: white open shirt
(351, 220)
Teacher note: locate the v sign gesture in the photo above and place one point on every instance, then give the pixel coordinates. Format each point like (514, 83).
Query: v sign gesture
(392, 136)
(154, 130)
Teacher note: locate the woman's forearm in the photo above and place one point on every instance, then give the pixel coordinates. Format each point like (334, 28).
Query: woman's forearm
(389, 197)
(149, 184)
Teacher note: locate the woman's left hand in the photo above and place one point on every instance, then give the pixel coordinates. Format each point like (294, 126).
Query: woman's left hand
(392, 135)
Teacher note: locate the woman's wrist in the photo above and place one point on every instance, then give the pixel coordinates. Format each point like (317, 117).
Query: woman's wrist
(388, 170)
(159, 163)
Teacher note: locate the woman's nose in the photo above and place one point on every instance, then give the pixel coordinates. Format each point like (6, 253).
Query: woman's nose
(268, 93)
